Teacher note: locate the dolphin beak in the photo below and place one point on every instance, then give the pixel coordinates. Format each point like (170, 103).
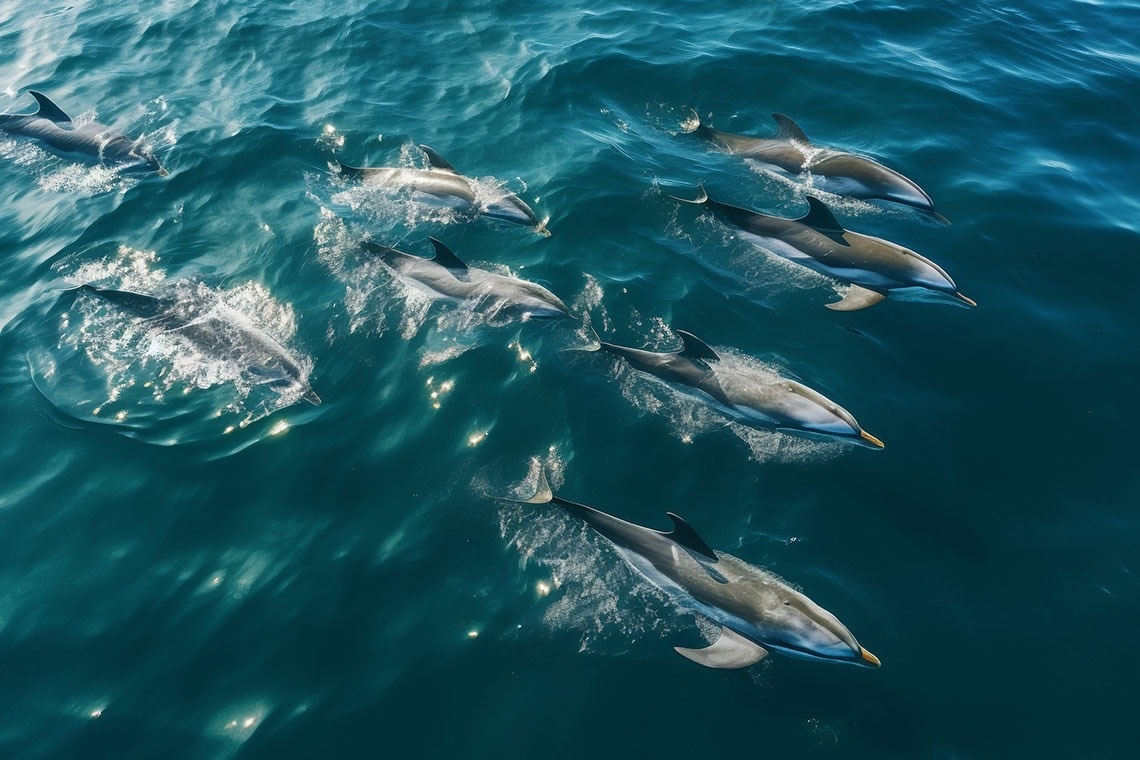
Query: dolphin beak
(162, 172)
(871, 440)
(965, 300)
(870, 659)
(541, 230)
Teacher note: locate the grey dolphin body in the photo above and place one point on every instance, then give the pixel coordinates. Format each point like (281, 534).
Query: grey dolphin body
(749, 397)
(833, 171)
(220, 331)
(872, 266)
(51, 126)
(442, 184)
(446, 276)
(756, 610)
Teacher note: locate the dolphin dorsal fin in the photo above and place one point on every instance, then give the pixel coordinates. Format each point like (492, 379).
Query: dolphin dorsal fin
(445, 257)
(819, 217)
(789, 130)
(437, 161)
(695, 348)
(684, 535)
(48, 109)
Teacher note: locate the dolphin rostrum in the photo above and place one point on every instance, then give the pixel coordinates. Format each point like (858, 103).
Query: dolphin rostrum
(872, 266)
(748, 396)
(219, 331)
(446, 276)
(51, 126)
(756, 610)
(790, 152)
(441, 184)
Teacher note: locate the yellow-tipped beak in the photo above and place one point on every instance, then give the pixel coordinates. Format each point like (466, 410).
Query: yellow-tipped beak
(871, 439)
(965, 299)
(870, 659)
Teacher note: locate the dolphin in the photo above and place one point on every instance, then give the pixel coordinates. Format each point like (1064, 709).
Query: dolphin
(442, 184)
(749, 397)
(756, 610)
(872, 266)
(51, 126)
(833, 171)
(220, 331)
(446, 276)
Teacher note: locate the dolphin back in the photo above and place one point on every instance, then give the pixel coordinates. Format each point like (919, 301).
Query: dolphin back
(136, 303)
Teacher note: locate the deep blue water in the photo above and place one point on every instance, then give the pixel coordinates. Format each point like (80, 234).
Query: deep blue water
(192, 567)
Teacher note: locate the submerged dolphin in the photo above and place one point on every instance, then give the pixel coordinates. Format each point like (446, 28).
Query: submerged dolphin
(874, 267)
(756, 611)
(749, 397)
(446, 276)
(219, 331)
(441, 183)
(833, 171)
(51, 126)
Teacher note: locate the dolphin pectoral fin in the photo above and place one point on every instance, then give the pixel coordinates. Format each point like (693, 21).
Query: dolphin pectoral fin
(48, 109)
(857, 298)
(731, 650)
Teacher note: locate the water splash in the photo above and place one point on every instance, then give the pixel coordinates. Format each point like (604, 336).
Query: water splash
(205, 367)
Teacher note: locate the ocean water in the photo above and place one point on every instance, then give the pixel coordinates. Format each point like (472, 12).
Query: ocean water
(195, 563)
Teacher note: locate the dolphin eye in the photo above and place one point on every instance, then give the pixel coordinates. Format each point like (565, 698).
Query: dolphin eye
(787, 603)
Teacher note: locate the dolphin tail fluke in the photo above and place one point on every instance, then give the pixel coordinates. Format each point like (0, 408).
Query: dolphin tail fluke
(49, 110)
(729, 651)
(701, 199)
(543, 494)
(857, 298)
(696, 125)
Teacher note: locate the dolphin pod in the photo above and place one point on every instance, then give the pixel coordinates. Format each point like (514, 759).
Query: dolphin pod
(220, 331)
(873, 267)
(833, 171)
(750, 397)
(757, 612)
(442, 184)
(51, 126)
(446, 276)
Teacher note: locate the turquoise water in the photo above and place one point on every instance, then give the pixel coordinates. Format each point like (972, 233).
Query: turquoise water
(191, 566)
